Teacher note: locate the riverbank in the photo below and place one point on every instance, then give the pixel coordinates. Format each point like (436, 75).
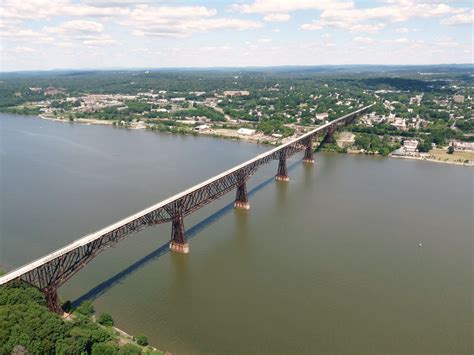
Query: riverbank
(86, 121)
(215, 132)
(433, 160)
(436, 155)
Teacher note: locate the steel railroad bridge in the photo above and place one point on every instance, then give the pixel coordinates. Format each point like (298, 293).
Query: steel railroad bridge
(53, 270)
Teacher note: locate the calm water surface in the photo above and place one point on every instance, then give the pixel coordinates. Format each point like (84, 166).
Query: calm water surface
(327, 263)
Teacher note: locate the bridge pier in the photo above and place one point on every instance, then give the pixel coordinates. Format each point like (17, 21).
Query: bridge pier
(282, 173)
(329, 137)
(308, 153)
(241, 197)
(178, 241)
(52, 300)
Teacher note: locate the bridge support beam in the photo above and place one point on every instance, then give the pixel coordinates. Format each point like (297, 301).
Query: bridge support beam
(178, 241)
(329, 137)
(241, 198)
(308, 153)
(282, 173)
(52, 300)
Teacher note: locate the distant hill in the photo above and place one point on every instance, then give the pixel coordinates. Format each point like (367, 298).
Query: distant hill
(328, 69)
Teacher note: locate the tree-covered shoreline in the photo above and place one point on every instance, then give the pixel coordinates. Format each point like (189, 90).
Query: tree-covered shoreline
(27, 326)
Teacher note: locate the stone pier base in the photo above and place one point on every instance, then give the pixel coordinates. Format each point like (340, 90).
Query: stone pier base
(179, 248)
(242, 205)
(282, 178)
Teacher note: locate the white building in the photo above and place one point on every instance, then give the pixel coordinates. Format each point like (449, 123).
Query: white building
(410, 145)
(138, 125)
(399, 123)
(246, 131)
(234, 93)
(462, 146)
(201, 128)
(322, 116)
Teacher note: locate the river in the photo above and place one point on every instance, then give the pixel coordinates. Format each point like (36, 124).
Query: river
(327, 263)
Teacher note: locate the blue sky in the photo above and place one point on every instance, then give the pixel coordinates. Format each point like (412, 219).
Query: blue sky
(48, 34)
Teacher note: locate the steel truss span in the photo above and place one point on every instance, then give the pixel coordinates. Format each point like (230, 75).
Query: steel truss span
(51, 271)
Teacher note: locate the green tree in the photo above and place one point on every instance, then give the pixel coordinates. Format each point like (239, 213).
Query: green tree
(450, 149)
(424, 146)
(85, 308)
(130, 349)
(20, 293)
(105, 319)
(104, 349)
(142, 340)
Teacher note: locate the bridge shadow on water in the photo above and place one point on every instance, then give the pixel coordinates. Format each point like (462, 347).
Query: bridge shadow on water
(103, 287)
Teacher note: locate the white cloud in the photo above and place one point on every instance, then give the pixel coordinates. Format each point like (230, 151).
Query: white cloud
(368, 28)
(319, 25)
(21, 50)
(181, 21)
(401, 40)
(77, 27)
(285, 6)
(372, 19)
(87, 33)
(402, 30)
(18, 34)
(312, 26)
(46, 9)
(115, 3)
(466, 18)
(277, 17)
(100, 41)
(215, 48)
(366, 40)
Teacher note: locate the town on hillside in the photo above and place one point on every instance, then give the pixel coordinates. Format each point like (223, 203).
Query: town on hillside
(416, 115)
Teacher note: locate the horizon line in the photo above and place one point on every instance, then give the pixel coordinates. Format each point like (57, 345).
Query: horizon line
(233, 67)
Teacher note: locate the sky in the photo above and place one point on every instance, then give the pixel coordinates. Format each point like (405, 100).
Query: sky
(53, 34)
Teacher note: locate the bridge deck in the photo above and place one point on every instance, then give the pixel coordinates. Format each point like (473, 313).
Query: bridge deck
(17, 273)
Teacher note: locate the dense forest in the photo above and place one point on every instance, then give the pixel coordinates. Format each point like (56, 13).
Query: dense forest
(27, 326)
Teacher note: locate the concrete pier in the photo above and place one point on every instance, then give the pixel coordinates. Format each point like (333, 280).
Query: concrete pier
(242, 205)
(179, 247)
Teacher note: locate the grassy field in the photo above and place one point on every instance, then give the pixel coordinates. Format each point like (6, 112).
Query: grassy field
(442, 155)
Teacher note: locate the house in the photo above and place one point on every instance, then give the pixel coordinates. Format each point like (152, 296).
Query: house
(462, 146)
(458, 99)
(246, 131)
(410, 145)
(50, 91)
(234, 93)
(322, 116)
(416, 100)
(399, 123)
(201, 128)
(138, 125)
